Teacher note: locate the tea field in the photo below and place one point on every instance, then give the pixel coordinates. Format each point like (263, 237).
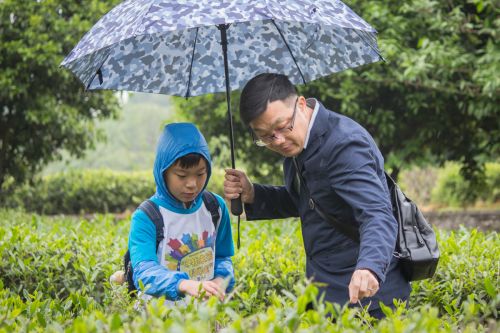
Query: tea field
(54, 277)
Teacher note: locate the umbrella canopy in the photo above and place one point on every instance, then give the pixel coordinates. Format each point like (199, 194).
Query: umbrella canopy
(189, 48)
(174, 47)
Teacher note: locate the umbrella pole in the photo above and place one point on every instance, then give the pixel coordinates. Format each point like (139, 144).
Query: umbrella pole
(236, 205)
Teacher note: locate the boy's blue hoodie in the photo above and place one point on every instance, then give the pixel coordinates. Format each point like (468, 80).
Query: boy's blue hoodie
(177, 140)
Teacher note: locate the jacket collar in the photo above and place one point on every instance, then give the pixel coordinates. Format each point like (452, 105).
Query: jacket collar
(319, 128)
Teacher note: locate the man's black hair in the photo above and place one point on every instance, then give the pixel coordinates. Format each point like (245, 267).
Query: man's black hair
(189, 160)
(263, 89)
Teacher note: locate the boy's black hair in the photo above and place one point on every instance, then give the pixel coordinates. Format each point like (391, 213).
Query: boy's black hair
(261, 90)
(189, 160)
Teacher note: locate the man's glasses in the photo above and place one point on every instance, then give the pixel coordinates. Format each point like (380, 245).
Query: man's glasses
(265, 140)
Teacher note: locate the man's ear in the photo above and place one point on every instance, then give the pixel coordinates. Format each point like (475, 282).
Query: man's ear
(302, 103)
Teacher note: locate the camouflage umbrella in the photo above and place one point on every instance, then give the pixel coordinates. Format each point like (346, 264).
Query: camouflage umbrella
(185, 48)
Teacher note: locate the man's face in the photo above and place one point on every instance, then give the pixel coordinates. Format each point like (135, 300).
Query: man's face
(185, 184)
(283, 126)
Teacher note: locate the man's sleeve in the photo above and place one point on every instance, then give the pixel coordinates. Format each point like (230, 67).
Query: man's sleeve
(271, 202)
(157, 279)
(353, 176)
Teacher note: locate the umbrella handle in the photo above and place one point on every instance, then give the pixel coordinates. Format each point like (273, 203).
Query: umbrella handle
(236, 206)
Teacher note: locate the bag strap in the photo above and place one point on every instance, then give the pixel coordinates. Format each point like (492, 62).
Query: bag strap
(153, 212)
(212, 205)
(390, 182)
(346, 229)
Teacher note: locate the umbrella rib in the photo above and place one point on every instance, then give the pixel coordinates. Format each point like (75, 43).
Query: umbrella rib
(370, 44)
(98, 72)
(191, 66)
(289, 50)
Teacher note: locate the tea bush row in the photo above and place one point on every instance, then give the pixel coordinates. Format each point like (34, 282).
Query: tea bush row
(84, 191)
(54, 277)
(104, 191)
(90, 191)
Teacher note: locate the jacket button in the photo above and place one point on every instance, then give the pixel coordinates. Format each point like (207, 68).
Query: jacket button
(311, 204)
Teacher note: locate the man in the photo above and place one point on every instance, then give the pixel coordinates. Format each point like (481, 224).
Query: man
(343, 170)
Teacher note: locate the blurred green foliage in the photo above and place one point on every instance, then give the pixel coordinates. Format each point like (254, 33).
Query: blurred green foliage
(104, 190)
(91, 191)
(84, 191)
(43, 109)
(131, 139)
(453, 190)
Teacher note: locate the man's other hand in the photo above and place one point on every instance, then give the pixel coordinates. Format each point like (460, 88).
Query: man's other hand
(363, 284)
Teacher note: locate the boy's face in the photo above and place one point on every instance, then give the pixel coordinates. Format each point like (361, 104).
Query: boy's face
(186, 184)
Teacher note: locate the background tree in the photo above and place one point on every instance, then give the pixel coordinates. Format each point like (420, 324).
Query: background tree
(437, 96)
(43, 108)
(434, 100)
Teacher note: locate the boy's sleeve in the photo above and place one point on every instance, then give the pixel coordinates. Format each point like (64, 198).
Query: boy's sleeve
(224, 247)
(142, 246)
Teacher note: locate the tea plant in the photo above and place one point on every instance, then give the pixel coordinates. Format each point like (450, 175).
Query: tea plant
(54, 278)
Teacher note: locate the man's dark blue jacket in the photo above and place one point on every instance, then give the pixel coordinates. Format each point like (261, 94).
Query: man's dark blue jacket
(344, 172)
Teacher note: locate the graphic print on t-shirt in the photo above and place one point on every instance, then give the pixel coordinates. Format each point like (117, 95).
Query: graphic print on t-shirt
(189, 243)
(193, 254)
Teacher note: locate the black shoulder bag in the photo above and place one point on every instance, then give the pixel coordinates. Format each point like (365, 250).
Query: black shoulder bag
(416, 244)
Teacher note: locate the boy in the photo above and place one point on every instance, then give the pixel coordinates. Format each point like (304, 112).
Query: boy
(194, 255)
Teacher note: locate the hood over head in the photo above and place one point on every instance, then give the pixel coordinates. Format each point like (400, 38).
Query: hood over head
(177, 140)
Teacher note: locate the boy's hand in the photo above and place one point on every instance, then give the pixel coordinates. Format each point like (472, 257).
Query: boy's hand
(194, 288)
(237, 182)
(118, 277)
(222, 282)
(218, 280)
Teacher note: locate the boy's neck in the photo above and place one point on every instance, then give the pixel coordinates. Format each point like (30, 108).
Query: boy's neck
(188, 204)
